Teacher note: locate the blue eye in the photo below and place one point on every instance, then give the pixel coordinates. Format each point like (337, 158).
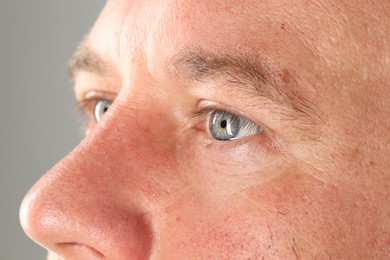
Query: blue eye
(225, 126)
(101, 108)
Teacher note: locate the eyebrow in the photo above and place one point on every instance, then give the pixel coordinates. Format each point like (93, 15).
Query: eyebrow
(85, 59)
(248, 72)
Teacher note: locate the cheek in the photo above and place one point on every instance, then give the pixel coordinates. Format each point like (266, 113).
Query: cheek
(311, 217)
(225, 228)
(224, 167)
(219, 216)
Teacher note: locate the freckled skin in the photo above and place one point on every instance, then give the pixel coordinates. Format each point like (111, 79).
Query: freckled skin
(145, 183)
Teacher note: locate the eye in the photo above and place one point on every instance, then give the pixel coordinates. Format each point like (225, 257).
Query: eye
(225, 126)
(101, 108)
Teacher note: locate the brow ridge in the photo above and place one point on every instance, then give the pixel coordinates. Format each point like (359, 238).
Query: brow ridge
(85, 59)
(250, 73)
(243, 69)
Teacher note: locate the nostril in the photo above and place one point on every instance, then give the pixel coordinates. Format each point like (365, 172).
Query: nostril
(81, 249)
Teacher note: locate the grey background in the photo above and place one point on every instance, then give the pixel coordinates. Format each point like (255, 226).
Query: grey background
(37, 119)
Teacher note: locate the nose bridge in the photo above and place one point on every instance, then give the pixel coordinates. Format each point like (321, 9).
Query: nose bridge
(134, 149)
(99, 196)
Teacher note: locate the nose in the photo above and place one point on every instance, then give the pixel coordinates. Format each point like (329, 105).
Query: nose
(91, 205)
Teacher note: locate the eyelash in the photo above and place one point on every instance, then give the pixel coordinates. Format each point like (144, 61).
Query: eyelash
(203, 115)
(87, 108)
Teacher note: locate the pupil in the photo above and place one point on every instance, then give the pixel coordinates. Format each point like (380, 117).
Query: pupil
(105, 109)
(223, 124)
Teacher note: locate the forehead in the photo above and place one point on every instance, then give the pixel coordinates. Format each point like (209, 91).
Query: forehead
(260, 25)
(314, 36)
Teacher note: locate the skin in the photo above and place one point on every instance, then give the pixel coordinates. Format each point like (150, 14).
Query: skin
(149, 180)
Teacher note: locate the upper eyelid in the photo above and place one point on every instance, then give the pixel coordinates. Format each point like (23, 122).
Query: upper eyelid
(214, 107)
(86, 105)
(93, 95)
(234, 115)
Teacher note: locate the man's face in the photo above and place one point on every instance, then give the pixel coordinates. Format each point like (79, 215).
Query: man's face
(238, 130)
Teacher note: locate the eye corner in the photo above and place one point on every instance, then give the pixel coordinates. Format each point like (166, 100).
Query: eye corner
(91, 108)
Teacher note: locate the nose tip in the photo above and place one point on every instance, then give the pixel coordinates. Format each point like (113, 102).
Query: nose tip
(44, 225)
(76, 224)
(31, 218)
